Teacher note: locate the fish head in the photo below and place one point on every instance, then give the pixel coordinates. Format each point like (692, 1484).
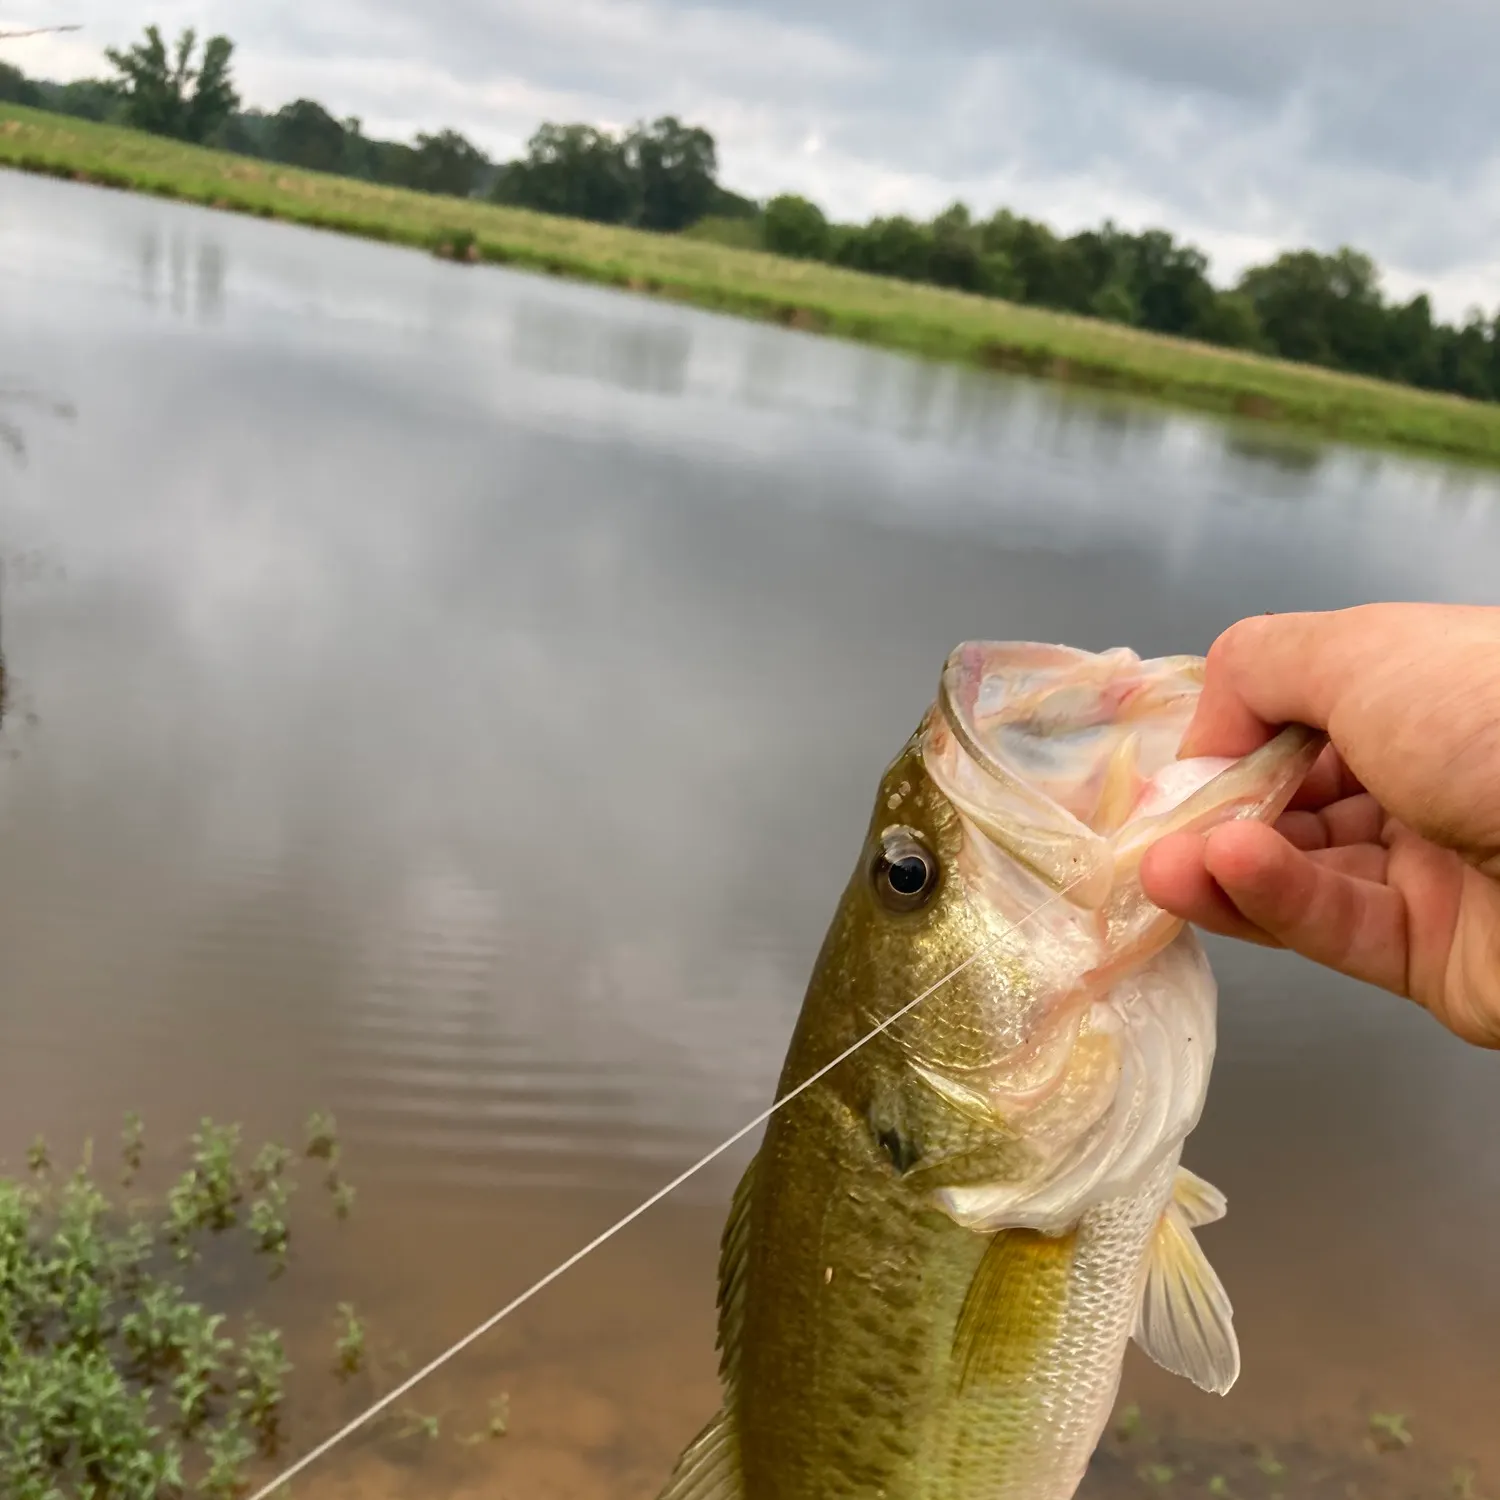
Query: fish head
(1002, 858)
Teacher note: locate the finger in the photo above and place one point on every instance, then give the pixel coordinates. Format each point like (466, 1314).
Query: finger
(1330, 780)
(1360, 861)
(1270, 670)
(1355, 820)
(1256, 678)
(1352, 925)
(1174, 877)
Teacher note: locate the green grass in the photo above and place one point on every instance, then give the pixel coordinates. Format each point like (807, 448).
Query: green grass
(922, 320)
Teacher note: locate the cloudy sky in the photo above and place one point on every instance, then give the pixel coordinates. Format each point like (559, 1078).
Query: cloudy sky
(1244, 127)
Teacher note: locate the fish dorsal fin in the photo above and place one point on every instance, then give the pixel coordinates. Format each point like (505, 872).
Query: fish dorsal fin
(710, 1467)
(1185, 1322)
(1014, 1307)
(734, 1254)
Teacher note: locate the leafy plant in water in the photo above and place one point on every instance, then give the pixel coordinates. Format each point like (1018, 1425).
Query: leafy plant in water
(114, 1384)
(270, 1164)
(1390, 1430)
(497, 1426)
(322, 1137)
(342, 1195)
(132, 1146)
(349, 1347)
(268, 1226)
(262, 1371)
(429, 1427)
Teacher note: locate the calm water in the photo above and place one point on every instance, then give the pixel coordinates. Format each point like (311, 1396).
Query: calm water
(455, 697)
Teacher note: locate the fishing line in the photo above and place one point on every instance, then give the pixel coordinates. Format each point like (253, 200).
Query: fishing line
(391, 1397)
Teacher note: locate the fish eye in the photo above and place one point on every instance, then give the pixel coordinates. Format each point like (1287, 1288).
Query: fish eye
(905, 872)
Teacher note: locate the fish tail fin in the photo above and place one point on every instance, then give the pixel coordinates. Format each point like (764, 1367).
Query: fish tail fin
(709, 1468)
(1185, 1322)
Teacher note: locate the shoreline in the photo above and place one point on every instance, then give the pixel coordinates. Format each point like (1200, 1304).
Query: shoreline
(931, 322)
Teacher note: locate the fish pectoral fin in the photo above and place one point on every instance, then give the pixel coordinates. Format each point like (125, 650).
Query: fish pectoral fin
(1014, 1308)
(1185, 1322)
(709, 1468)
(1201, 1202)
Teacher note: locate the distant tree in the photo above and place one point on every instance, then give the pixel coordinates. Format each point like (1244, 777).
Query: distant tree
(17, 88)
(955, 255)
(574, 170)
(1412, 344)
(169, 95)
(304, 134)
(248, 132)
(1465, 358)
(729, 205)
(85, 99)
(675, 167)
(895, 246)
(1170, 283)
(1046, 270)
(1324, 309)
(796, 227)
(1231, 319)
(446, 163)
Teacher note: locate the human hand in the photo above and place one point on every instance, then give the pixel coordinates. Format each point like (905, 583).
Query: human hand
(1386, 866)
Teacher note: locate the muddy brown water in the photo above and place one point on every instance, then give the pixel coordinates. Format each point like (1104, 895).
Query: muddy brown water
(453, 698)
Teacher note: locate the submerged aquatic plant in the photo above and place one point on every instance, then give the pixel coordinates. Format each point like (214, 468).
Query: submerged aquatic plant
(115, 1384)
(322, 1137)
(349, 1347)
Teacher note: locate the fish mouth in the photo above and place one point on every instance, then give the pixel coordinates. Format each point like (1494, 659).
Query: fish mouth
(1067, 759)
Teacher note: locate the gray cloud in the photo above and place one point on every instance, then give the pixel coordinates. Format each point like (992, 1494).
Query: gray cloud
(1245, 128)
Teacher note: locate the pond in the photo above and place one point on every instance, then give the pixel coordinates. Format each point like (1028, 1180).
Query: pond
(454, 698)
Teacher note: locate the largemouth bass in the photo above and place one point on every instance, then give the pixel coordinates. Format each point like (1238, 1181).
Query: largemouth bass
(932, 1268)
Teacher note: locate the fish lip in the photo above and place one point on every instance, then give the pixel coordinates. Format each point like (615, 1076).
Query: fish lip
(1082, 866)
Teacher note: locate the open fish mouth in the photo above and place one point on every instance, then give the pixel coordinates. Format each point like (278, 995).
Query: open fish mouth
(1067, 759)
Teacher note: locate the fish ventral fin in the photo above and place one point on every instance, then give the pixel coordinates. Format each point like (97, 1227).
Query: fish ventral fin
(710, 1468)
(1185, 1322)
(1014, 1307)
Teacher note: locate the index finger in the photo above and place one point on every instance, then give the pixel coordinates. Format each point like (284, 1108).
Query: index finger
(1271, 670)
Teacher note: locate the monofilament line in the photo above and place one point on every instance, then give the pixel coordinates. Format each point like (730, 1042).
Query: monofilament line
(452, 1352)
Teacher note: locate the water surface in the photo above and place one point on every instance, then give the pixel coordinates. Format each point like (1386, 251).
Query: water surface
(455, 697)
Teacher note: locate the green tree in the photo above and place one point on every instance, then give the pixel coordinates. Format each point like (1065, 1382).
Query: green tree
(675, 167)
(17, 88)
(85, 99)
(1046, 270)
(304, 134)
(573, 170)
(796, 227)
(1231, 319)
(893, 246)
(1171, 285)
(446, 163)
(169, 95)
(956, 257)
(1324, 309)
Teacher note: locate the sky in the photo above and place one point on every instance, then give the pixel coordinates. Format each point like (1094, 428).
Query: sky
(1243, 128)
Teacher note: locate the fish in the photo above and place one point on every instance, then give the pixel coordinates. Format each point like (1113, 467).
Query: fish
(934, 1263)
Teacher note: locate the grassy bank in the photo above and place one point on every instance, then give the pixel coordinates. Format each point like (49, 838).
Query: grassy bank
(922, 320)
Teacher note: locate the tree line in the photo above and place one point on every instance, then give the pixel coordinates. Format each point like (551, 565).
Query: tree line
(1317, 308)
